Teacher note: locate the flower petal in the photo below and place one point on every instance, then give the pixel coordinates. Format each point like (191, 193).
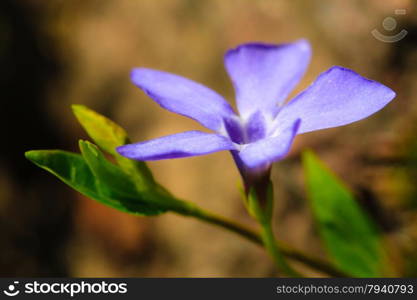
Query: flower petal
(190, 143)
(265, 151)
(183, 96)
(263, 74)
(338, 97)
(255, 127)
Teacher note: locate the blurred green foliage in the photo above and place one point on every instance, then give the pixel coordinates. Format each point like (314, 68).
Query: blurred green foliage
(350, 236)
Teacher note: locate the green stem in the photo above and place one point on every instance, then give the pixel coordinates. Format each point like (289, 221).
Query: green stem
(251, 235)
(271, 246)
(230, 225)
(260, 204)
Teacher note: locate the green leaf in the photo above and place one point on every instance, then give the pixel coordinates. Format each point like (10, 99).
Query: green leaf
(350, 236)
(116, 184)
(73, 170)
(105, 133)
(108, 136)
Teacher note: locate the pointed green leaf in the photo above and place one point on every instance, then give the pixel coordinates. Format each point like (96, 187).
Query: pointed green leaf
(105, 133)
(350, 236)
(73, 170)
(108, 135)
(117, 184)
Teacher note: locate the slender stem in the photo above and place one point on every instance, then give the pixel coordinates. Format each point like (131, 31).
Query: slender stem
(256, 238)
(230, 225)
(260, 200)
(313, 262)
(271, 246)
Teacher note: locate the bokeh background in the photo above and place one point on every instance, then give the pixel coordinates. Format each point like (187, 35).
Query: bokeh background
(54, 53)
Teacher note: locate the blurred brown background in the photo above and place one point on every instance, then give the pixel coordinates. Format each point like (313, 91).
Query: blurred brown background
(59, 52)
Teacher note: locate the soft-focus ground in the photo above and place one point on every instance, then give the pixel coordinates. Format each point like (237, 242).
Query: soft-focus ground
(57, 53)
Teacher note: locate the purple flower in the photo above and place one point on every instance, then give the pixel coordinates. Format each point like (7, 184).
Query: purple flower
(262, 132)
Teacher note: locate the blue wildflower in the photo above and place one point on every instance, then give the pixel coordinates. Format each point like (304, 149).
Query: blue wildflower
(264, 128)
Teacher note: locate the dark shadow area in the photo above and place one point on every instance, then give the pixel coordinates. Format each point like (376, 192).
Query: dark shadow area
(35, 226)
